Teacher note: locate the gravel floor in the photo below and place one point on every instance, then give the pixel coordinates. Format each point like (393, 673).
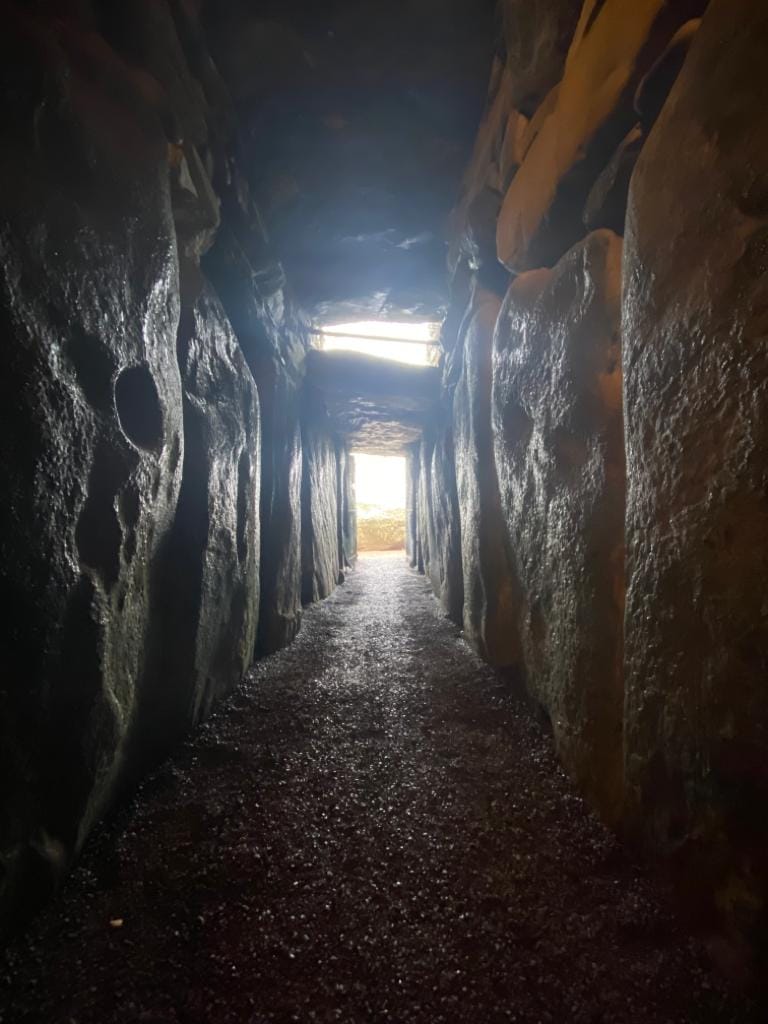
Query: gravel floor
(373, 829)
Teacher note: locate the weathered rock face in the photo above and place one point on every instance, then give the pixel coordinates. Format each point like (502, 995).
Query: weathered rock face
(92, 448)
(657, 707)
(130, 442)
(495, 158)
(696, 292)
(537, 35)
(424, 520)
(606, 205)
(436, 525)
(412, 468)
(490, 598)
(579, 125)
(321, 557)
(560, 457)
(206, 580)
(445, 567)
(347, 508)
(274, 344)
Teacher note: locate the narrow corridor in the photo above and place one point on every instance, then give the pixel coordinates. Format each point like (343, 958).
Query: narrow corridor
(373, 829)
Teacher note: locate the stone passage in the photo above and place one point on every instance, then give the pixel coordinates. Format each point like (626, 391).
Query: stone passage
(373, 829)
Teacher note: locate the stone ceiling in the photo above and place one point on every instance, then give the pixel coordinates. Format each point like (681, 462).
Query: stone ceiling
(357, 119)
(376, 405)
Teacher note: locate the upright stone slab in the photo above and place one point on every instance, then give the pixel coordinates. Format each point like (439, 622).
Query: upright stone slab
(274, 348)
(91, 444)
(347, 509)
(490, 596)
(695, 331)
(206, 586)
(445, 570)
(411, 499)
(424, 521)
(282, 462)
(321, 557)
(559, 452)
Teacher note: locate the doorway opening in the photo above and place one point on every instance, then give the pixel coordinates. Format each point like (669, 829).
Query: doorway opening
(380, 502)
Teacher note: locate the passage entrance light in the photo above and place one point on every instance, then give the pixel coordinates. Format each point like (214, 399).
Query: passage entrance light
(414, 343)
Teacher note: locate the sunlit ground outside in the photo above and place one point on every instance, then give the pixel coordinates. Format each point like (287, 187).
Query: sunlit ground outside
(413, 343)
(380, 499)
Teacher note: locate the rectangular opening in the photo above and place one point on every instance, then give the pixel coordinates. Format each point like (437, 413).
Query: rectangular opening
(413, 343)
(380, 502)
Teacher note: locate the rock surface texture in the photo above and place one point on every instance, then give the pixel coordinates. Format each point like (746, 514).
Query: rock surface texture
(321, 553)
(559, 450)
(207, 577)
(436, 521)
(537, 36)
(274, 344)
(638, 620)
(490, 593)
(132, 554)
(696, 365)
(92, 440)
(579, 125)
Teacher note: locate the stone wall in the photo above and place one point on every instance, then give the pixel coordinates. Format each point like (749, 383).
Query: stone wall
(603, 356)
(696, 401)
(322, 550)
(559, 449)
(153, 389)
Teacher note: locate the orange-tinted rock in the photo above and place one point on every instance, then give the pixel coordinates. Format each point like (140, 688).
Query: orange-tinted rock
(696, 371)
(606, 205)
(490, 599)
(560, 458)
(537, 34)
(580, 124)
(512, 148)
(473, 228)
(655, 86)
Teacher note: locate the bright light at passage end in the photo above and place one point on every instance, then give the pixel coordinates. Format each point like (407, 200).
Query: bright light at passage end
(415, 344)
(380, 480)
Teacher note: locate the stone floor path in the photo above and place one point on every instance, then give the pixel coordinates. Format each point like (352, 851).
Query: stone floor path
(373, 829)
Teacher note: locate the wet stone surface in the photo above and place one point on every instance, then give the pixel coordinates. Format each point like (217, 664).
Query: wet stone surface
(373, 829)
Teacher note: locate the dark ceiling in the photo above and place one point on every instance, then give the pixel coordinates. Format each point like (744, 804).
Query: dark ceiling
(357, 119)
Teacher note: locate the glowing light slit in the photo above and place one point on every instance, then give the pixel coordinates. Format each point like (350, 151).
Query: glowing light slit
(412, 343)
